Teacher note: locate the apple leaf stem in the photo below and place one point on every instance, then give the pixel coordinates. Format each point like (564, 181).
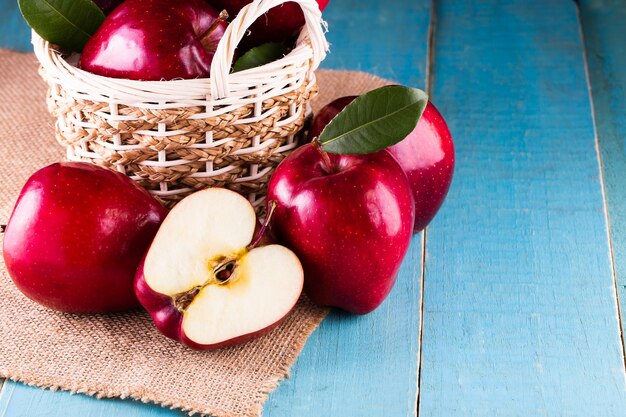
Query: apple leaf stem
(261, 233)
(328, 165)
(374, 121)
(205, 37)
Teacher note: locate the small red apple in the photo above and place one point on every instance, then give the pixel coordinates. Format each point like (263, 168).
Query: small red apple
(76, 236)
(348, 218)
(154, 40)
(426, 156)
(280, 24)
(206, 283)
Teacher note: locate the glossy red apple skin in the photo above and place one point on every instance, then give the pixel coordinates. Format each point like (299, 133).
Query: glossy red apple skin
(426, 156)
(154, 40)
(280, 24)
(76, 236)
(350, 228)
(169, 320)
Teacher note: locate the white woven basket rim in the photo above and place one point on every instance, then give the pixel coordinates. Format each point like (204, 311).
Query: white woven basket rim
(221, 89)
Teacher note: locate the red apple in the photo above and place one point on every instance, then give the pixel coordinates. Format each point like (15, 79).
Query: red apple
(155, 40)
(426, 156)
(280, 24)
(77, 235)
(349, 220)
(206, 283)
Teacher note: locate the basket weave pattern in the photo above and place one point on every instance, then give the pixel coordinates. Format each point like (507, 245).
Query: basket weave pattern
(175, 137)
(177, 151)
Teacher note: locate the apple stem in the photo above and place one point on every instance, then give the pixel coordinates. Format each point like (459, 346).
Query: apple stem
(3, 227)
(259, 236)
(204, 39)
(327, 162)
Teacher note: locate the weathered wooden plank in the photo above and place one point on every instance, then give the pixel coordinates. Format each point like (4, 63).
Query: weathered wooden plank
(14, 32)
(365, 366)
(520, 314)
(605, 40)
(19, 400)
(386, 39)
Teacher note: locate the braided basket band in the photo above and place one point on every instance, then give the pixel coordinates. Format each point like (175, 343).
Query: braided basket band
(175, 137)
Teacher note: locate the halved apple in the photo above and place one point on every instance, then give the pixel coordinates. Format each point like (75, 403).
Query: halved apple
(205, 284)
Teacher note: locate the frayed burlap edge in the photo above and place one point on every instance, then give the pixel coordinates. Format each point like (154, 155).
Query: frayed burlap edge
(145, 395)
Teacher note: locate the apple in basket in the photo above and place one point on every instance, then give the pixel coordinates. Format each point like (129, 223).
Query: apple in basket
(426, 155)
(76, 236)
(279, 24)
(345, 206)
(206, 280)
(154, 40)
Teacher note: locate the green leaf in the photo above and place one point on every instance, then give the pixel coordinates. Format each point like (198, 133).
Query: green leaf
(374, 121)
(260, 55)
(67, 23)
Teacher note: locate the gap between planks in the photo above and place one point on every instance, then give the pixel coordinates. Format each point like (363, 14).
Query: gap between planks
(421, 326)
(428, 84)
(607, 221)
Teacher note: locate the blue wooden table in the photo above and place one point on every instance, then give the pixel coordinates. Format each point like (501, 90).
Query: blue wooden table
(509, 304)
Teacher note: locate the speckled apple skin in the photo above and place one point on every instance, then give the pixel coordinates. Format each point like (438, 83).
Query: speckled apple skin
(280, 24)
(154, 40)
(350, 229)
(169, 320)
(76, 236)
(426, 156)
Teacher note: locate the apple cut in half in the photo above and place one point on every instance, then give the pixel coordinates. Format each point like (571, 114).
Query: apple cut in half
(206, 284)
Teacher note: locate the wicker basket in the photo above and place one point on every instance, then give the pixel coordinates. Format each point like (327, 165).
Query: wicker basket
(175, 137)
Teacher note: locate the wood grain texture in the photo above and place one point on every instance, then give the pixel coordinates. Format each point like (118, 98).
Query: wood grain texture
(351, 366)
(520, 314)
(388, 39)
(605, 40)
(20, 400)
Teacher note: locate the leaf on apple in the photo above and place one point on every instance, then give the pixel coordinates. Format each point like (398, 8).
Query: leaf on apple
(67, 23)
(261, 55)
(374, 121)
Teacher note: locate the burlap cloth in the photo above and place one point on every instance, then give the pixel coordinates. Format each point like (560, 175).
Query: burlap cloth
(123, 355)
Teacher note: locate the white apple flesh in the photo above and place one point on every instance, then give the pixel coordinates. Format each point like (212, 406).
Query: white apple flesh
(204, 284)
